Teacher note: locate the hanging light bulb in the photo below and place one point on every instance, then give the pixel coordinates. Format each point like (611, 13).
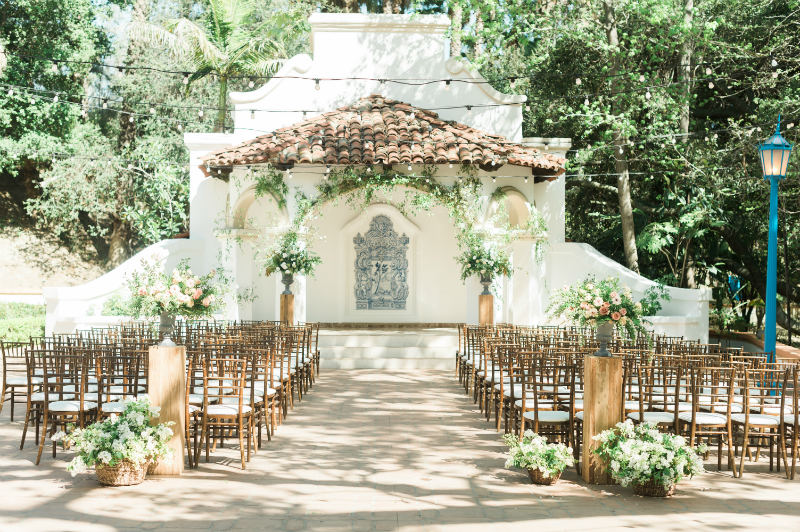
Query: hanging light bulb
(252, 114)
(55, 68)
(578, 81)
(469, 108)
(289, 173)
(494, 179)
(447, 84)
(186, 79)
(710, 84)
(409, 167)
(774, 63)
(130, 119)
(11, 92)
(526, 179)
(450, 165)
(180, 126)
(55, 98)
(586, 102)
(200, 113)
(316, 84)
(621, 150)
(647, 94)
(327, 169)
(33, 101)
(708, 71)
(152, 110)
(641, 78)
(105, 104)
(527, 108)
(774, 75)
(251, 84)
(369, 169)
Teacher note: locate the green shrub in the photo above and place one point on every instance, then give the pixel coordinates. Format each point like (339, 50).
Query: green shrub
(20, 321)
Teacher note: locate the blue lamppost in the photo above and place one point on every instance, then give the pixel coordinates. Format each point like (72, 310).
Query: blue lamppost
(774, 155)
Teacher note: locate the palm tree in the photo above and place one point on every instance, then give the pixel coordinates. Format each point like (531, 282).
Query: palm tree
(222, 43)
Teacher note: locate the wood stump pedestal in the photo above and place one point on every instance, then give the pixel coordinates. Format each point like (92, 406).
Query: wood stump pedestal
(287, 309)
(602, 409)
(486, 309)
(167, 389)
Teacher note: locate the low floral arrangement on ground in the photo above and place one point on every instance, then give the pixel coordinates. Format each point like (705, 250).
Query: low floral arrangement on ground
(533, 452)
(180, 293)
(128, 436)
(289, 256)
(592, 302)
(637, 454)
(483, 259)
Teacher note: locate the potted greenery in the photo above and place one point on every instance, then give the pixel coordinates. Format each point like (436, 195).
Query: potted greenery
(120, 447)
(544, 461)
(484, 260)
(167, 295)
(652, 461)
(605, 305)
(289, 257)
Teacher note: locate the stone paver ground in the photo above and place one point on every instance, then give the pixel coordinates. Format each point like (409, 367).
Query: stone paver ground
(375, 450)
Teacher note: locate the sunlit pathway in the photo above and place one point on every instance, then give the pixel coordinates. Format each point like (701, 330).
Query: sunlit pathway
(373, 450)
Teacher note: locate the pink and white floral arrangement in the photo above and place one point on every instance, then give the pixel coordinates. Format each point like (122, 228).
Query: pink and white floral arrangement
(591, 302)
(180, 293)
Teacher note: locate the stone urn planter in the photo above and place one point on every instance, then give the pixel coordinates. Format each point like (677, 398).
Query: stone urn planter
(287, 279)
(604, 334)
(165, 326)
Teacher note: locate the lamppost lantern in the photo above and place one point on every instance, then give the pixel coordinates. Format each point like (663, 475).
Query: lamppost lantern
(774, 155)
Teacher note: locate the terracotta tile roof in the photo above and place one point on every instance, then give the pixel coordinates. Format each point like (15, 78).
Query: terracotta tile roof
(377, 130)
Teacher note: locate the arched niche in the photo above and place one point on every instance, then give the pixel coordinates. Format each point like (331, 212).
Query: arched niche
(257, 212)
(514, 203)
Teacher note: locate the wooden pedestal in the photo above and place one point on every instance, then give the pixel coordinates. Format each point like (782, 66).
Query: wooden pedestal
(602, 409)
(287, 309)
(486, 309)
(167, 389)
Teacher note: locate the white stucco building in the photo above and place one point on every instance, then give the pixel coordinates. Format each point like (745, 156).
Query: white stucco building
(365, 98)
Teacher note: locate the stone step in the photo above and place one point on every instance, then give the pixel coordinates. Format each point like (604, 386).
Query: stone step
(415, 338)
(405, 349)
(340, 351)
(387, 363)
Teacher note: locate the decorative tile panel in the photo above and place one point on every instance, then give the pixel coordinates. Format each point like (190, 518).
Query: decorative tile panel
(381, 267)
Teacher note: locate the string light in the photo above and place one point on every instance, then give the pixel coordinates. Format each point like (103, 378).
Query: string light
(447, 84)
(251, 84)
(708, 71)
(55, 98)
(316, 84)
(186, 79)
(200, 113)
(11, 92)
(710, 84)
(578, 81)
(774, 63)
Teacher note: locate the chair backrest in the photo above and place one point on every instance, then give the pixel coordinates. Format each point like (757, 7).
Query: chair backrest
(14, 359)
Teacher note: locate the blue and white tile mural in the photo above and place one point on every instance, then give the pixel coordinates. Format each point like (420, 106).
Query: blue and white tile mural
(381, 281)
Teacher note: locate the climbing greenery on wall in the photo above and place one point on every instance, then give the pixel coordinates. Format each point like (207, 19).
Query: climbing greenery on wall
(481, 231)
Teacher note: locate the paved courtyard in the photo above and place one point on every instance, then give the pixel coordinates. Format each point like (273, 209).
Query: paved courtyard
(375, 450)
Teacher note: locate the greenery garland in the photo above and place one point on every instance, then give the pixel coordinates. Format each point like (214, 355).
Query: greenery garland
(481, 240)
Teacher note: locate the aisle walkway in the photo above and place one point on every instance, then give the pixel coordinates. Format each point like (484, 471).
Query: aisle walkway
(373, 450)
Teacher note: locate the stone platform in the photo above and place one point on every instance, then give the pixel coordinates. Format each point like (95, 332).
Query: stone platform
(388, 348)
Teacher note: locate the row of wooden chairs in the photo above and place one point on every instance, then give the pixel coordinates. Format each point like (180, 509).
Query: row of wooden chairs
(533, 378)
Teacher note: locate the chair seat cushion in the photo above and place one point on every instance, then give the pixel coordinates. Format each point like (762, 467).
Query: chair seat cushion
(682, 407)
(547, 416)
(21, 380)
(38, 397)
(652, 417)
(579, 415)
(259, 389)
(194, 409)
(70, 406)
(529, 403)
(703, 418)
(114, 407)
(718, 407)
(227, 410)
(774, 410)
(758, 420)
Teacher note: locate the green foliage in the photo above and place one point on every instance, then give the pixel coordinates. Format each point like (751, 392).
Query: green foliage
(481, 258)
(20, 321)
